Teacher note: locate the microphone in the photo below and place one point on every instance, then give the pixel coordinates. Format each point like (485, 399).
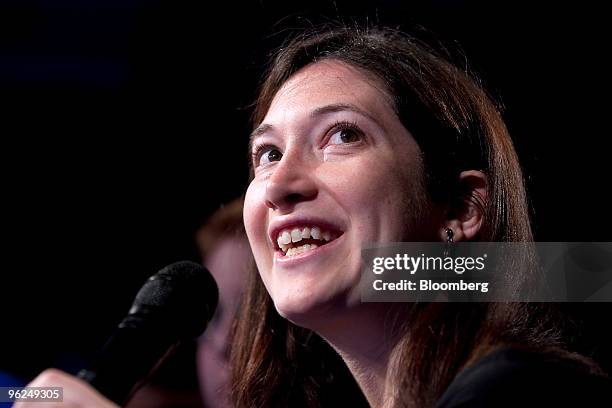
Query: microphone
(173, 306)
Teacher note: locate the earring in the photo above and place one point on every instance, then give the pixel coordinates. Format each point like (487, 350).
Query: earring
(448, 246)
(449, 236)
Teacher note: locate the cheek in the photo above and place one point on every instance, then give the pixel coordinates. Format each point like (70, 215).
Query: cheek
(380, 184)
(256, 226)
(385, 201)
(255, 218)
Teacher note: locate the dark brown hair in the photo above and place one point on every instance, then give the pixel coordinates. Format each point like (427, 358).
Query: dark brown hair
(457, 127)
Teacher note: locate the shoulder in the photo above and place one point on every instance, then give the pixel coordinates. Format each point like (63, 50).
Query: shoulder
(512, 377)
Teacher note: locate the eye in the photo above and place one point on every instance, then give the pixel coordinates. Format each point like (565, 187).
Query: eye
(266, 154)
(345, 133)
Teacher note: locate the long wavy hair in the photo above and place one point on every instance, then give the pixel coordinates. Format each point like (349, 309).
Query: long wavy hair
(457, 127)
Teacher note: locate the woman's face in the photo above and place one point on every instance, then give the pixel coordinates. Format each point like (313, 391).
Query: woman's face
(334, 170)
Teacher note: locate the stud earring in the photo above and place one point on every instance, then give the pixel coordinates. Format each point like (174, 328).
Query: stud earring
(449, 236)
(448, 247)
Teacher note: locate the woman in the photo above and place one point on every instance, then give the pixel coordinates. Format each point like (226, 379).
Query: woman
(361, 136)
(368, 136)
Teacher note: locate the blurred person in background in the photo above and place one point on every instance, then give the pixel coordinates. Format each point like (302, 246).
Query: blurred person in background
(227, 255)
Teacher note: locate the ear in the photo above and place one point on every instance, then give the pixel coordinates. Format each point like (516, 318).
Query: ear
(466, 210)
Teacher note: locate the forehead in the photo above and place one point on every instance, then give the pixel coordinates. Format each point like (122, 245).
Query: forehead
(329, 82)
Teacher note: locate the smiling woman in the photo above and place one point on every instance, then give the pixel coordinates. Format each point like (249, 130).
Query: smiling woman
(369, 136)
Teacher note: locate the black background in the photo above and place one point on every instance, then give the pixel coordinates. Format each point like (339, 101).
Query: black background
(124, 124)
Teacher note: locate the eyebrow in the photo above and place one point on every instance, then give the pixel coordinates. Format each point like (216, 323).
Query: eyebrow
(340, 107)
(335, 107)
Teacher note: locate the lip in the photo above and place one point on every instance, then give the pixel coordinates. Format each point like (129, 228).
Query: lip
(282, 260)
(279, 225)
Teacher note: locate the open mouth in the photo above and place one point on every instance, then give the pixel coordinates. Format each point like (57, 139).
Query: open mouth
(300, 239)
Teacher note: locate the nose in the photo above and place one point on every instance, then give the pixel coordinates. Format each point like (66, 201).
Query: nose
(290, 183)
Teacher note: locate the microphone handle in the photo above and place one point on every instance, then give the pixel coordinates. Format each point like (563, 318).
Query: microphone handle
(126, 360)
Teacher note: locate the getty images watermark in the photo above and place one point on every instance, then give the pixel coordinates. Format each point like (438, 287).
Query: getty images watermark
(487, 272)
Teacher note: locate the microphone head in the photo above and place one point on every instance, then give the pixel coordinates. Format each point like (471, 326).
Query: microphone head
(179, 299)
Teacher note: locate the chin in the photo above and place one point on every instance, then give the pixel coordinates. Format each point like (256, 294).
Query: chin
(299, 311)
(309, 311)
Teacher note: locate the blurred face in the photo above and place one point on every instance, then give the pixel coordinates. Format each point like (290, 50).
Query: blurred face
(334, 170)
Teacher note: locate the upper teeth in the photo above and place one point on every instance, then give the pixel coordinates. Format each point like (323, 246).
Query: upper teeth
(287, 236)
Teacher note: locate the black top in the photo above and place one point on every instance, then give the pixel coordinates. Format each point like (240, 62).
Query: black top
(514, 377)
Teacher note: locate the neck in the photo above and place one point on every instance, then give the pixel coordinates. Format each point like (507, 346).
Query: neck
(365, 340)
